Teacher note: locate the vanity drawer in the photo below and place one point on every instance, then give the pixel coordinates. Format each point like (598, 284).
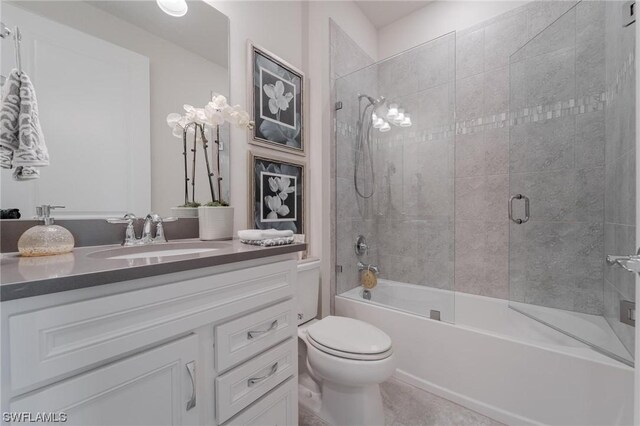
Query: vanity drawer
(240, 339)
(55, 342)
(277, 408)
(243, 385)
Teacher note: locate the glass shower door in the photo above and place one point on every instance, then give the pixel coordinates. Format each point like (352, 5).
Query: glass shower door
(572, 176)
(394, 180)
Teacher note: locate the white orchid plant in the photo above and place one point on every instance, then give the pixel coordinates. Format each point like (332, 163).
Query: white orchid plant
(193, 123)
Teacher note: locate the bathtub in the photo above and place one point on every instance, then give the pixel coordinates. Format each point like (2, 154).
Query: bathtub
(493, 359)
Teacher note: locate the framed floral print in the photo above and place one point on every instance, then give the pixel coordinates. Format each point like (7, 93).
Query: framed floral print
(277, 195)
(276, 99)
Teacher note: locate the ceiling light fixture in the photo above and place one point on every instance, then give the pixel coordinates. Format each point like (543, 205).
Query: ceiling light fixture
(175, 8)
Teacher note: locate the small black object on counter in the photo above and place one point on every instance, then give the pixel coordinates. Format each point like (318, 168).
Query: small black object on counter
(9, 213)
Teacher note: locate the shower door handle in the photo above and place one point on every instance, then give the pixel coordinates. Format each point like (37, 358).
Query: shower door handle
(526, 208)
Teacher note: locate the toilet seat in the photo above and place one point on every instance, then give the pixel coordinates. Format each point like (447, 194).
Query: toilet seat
(349, 338)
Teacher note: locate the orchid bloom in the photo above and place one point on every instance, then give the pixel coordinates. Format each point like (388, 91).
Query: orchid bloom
(215, 113)
(174, 120)
(278, 100)
(178, 123)
(214, 116)
(275, 205)
(196, 115)
(218, 102)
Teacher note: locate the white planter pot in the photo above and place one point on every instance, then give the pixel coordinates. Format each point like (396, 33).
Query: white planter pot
(216, 223)
(184, 211)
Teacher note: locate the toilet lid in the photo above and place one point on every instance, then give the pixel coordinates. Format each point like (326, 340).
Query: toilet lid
(349, 338)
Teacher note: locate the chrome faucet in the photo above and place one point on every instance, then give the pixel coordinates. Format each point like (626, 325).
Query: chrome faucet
(130, 238)
(146, 229)
(368, 267)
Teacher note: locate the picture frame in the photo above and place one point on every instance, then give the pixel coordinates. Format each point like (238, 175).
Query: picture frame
(277, 193)
(276, 101)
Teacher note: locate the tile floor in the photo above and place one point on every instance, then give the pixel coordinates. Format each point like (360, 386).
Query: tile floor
(406, 405)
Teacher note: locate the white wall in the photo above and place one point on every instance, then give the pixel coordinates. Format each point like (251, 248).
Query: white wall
(276, 26)
(436, 19)
(298, 32)
(348, 16)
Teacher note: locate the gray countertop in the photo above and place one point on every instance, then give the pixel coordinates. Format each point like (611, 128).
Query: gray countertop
(22, 277)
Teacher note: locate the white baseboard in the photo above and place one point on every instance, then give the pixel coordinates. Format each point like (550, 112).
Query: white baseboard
(485, 409)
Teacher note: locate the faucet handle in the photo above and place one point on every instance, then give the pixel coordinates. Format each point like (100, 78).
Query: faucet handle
(127, 218)
(368, 267)
(130, 238)
(160, 237)
(156, 218)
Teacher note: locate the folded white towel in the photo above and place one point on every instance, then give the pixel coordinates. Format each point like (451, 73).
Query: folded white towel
(263, 234)
(21, 140)
(269, 242)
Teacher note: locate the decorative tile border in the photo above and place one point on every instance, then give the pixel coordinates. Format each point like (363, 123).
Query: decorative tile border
(530, 114)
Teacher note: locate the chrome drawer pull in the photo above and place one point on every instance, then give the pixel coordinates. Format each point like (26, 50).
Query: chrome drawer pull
(252, 334)
(252, 381)
(191, 368)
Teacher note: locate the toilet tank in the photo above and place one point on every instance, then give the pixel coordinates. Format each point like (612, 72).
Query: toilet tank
(308, 289)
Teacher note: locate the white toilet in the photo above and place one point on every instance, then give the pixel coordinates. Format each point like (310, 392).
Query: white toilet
(343, 360)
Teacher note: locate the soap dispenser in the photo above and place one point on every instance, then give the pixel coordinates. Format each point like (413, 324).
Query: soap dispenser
(47, 239)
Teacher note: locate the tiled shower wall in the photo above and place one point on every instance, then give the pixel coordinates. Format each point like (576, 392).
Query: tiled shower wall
(560, 163)
(620, 167)
(557, 160)
(482, 143)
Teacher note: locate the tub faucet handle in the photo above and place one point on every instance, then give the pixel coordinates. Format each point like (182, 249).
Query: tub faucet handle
(368, 267)
(361, 246)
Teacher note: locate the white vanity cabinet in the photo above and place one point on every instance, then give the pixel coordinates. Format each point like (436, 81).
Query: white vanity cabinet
(151, 388)
(203, 347)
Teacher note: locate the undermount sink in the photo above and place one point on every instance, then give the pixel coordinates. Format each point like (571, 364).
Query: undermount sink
(158, 250)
